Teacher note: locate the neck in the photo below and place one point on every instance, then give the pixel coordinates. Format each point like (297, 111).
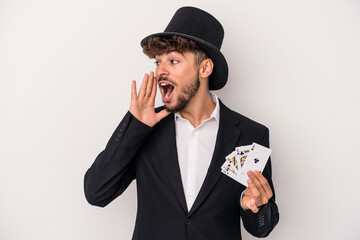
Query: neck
(199, 108)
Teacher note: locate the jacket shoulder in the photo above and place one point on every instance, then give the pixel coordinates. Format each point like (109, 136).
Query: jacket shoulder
(246, 123)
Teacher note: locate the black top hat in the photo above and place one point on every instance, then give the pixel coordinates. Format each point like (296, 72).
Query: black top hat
(206, 31)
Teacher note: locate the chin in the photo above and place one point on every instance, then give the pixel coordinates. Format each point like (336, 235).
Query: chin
(177, 107)
(170, 108)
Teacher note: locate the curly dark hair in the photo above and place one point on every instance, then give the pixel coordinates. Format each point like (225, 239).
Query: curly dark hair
(159, 45)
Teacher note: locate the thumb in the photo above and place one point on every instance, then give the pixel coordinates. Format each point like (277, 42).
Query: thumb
(252, 206)
(161, 115)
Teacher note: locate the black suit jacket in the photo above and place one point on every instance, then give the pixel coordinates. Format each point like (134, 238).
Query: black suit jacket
(149, 155)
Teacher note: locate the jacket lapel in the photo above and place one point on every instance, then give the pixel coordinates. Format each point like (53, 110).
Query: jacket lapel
(166, 144)
(227, 136)
(226, 139)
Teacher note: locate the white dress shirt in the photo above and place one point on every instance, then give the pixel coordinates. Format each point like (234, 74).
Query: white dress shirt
(195, 148)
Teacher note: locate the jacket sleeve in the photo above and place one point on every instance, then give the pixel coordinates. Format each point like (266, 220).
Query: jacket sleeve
(113, 169)
(263, 222)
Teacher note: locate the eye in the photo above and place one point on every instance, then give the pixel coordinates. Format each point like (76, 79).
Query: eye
(156, 63)
(174, 61)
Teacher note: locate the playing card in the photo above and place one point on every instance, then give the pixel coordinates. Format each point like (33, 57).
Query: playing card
(228, 169)
(231, 158)
(241, 154)
(244, 158)
(257, 158)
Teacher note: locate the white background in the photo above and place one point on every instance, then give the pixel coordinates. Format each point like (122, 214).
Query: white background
(66, 69)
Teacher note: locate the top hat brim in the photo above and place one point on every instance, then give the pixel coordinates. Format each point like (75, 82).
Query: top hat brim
(219, 76)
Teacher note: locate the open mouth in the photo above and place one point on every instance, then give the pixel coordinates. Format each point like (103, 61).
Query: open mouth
(167, 90)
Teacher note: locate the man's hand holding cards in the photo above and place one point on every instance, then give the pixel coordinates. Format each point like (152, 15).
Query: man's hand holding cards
(239, 162)
(245, 166)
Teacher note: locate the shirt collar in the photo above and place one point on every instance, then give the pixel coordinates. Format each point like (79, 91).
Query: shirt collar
(215, 114)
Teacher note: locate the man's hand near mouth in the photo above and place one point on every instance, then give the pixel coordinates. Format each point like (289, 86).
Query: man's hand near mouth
(142, 104)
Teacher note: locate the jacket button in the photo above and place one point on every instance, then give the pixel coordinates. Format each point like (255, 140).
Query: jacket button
(188, 221)
(117, 139)
(119, 134)
(124, 124)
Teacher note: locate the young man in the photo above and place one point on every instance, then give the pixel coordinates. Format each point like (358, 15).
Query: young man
(175, 152)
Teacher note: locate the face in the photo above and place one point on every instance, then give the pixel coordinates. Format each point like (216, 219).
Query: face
(178, 80)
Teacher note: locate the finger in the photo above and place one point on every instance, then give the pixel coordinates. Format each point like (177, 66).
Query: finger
(265, 184)
(252, 206)
(133, 91)
(150, 85)
(154, 88)
(259, 187)
(142, 91)
(255, 192)
(248, 191)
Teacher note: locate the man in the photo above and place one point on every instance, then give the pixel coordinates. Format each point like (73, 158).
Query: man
(175, 152)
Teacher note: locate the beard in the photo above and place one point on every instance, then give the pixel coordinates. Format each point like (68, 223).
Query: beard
(186, 94)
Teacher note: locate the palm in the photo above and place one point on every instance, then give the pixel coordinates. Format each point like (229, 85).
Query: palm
(142, 104)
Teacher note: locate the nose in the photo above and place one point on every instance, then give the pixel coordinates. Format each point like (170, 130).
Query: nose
(161, 70)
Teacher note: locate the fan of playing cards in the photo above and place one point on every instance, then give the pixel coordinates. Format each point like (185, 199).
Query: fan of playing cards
(245, 158)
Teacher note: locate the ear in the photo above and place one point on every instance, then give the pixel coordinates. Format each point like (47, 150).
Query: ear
(206, 68)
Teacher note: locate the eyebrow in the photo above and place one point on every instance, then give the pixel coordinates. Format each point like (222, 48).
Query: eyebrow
(171, 51)
(174, 50)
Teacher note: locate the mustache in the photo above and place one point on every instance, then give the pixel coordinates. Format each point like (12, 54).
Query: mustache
(162, 78)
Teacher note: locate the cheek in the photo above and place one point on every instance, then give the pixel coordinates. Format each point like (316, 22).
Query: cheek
(188, 74)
